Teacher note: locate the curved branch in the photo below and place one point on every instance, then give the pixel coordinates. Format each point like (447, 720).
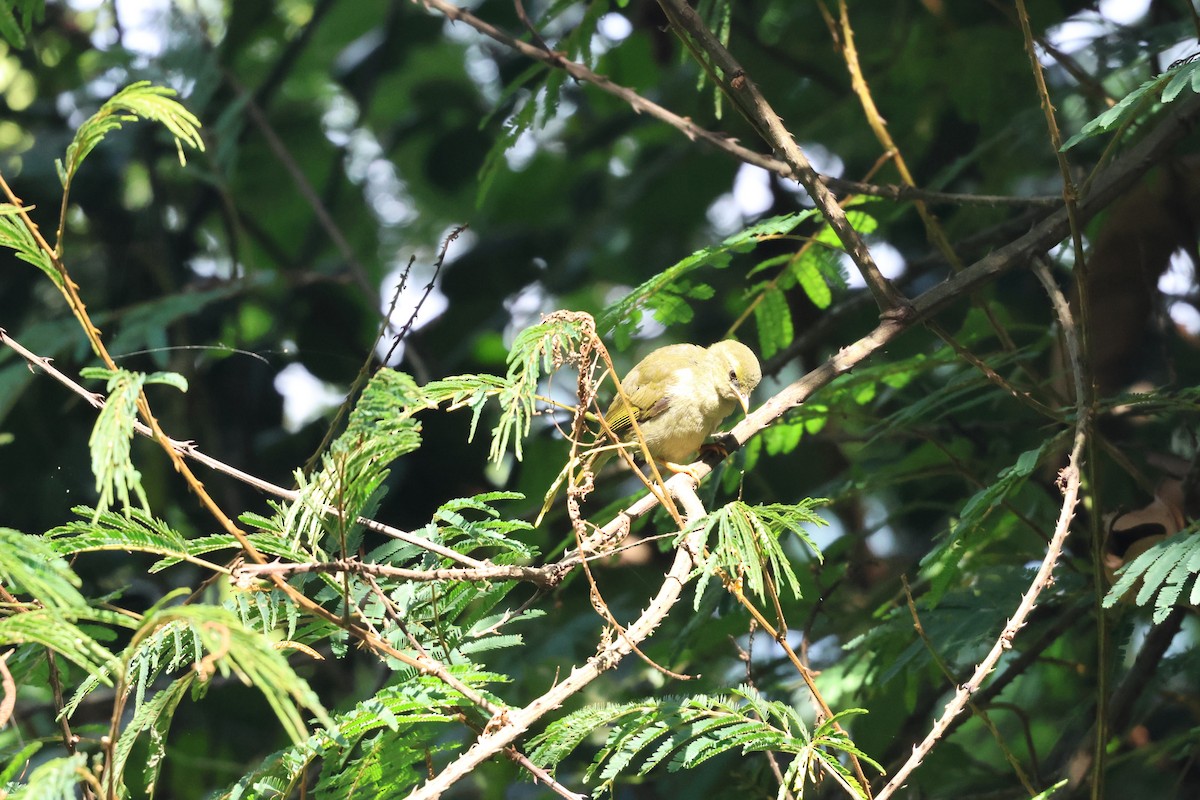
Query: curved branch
(506, 726)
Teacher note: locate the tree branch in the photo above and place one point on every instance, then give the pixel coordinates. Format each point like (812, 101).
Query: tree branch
(1069, 480)
(751, 102)
(508, 725)
(189, 450)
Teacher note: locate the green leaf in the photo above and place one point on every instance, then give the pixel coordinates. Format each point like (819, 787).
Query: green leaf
(692, 730)
(54, 779)
(1172, 83)
(379, 748)
(229, 647)
(665, 294)
(59, 633)
(13, 31)
(747, 546)
(948, 559)
(19, 762)
(140, 100)
(116, 477)
(1163, 572)
(535, 352)
(17, 237)
(812, 272)
(774, 321)
(153, 718)
(29, 565)
(381, 428)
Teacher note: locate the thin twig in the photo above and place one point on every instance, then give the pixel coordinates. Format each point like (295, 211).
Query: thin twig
(1120, 706)
(513, 753)
(305, 188)
(368, 638)
(976, 709)
(189, 450)
(353, 566)
(843, 34)
(437, 269)
(1110, 185)
(747, 658)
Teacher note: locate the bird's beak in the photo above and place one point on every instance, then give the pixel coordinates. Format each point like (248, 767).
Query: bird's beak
(744, 399)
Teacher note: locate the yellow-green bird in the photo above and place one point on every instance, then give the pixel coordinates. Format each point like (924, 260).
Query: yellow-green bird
(679, 395)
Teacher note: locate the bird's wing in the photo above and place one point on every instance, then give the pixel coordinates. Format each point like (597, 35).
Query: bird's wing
(645, 384)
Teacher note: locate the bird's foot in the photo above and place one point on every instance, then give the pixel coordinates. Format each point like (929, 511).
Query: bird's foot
(716, 448)
(686, 469)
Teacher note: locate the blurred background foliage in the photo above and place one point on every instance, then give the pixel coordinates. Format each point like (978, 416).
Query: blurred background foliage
(346, 140)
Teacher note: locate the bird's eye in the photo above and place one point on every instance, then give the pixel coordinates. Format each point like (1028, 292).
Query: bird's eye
(733, 375)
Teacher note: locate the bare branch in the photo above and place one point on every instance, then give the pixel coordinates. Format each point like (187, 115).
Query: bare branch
(491, 572)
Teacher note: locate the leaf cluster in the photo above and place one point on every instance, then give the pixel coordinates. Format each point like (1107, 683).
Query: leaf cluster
(685, 732)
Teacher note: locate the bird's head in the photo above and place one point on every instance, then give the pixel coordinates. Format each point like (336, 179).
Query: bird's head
(740, 365)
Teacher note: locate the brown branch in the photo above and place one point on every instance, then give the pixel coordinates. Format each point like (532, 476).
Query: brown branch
(1070, 479)
(733, 585)
(902, 192)
(513, 753)
(723, 142)
(8, 690)
(1070, 191)
(843, 34)
(750, 101)
(1120, 706)
(305, 188)
(1108, 186)
(976, 708)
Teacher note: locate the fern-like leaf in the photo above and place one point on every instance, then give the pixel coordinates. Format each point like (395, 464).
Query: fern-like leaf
(747, 546)
(60, 634)
(377, 749)
(666, 295)
(116, 477)
(687, 731)
(1171, 84)
(1163, 572)
(229, 647)
(55, 779)
(152, 718)
(536, 351)
(140, 100)
(381, 428)
(16, 236)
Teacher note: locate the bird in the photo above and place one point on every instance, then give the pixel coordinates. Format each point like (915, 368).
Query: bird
(679, 394)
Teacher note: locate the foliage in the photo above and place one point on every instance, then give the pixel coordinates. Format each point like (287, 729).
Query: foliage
(141, 100)
(14, 31)
(390, 621)
(1165, 88)
(115, 474)
(1161, 574)
(684, 732)
(747, 550)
